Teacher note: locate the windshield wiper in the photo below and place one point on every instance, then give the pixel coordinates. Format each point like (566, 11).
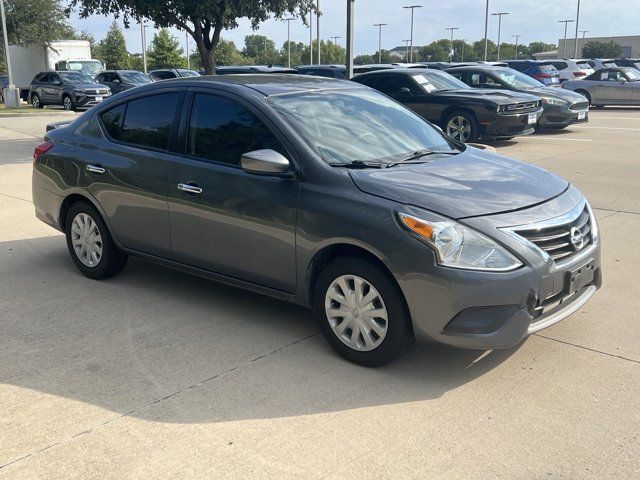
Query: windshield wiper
(423, 153)
(358, 164)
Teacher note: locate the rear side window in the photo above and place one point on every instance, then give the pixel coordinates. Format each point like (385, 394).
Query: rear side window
(221, 130)
(584, 65)
(148, 120)
(112, 120)
(548, 68)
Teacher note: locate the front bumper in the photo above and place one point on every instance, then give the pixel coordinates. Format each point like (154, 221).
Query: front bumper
(556, 116)
(88, 101)
(508, 125)
(484, 310)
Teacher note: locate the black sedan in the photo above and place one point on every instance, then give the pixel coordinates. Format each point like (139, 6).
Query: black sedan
(72, 90)
(561, 107)
(464, 113)
(120, 80)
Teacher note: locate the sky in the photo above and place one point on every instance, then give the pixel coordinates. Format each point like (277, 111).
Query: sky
(532, 19)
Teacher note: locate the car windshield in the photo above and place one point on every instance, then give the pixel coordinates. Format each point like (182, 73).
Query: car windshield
(135, 77)
(345, 126)
(548, 69)
(517, 79)
(76, 77)
(632, 74)
(438, 81)
(90, 67)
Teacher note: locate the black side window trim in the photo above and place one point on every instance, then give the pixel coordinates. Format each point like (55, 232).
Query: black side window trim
(185, 119)
(174, 129)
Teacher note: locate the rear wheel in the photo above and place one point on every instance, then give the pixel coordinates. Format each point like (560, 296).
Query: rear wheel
(362, 312)
(461, 126)
(90, 244)
(35, 101)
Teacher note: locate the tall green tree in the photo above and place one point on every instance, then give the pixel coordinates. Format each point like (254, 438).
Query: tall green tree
(203, 20)
(165, 51)
(112, 50)
(601, 50)
(35, 22)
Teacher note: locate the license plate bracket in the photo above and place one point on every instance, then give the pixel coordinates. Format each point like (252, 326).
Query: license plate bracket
(98, 99)
(579, 277)
(582, 115)
(533, 118)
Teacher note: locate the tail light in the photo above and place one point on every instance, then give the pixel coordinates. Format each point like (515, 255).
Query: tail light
(40, 149)
(539, 76)
(579, 74)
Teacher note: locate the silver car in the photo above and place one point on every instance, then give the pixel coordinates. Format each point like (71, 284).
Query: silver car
(609, 86)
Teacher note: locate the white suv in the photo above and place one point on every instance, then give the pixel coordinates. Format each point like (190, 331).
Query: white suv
(570, 69)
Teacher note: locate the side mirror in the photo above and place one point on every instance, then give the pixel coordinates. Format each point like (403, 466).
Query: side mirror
(265, 162)
(622, 80)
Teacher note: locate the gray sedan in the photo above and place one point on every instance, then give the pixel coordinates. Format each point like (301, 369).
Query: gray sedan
(609, 86)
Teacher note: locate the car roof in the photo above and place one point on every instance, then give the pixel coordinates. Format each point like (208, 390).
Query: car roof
(323, 66)
(488, 68)
(404, 71)
(261, 83)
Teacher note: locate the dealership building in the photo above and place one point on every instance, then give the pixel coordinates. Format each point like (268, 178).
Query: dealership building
(629, 44)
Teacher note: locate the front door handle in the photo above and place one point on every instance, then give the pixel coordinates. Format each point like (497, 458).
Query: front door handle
(94, 169)
(185, 187)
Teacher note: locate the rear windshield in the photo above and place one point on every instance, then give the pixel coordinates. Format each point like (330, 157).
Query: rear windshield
(548, 69)
(584, 65)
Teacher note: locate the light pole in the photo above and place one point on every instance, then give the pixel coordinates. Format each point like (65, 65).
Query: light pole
(583, 33)
(406, 43)
(499, 15)
(379, 25)
(11, 94)
(350, 4)
(318, 13)
(564, 44)
(451, 50)
(575, 49)
(143, 35)
(335, 40)
(486, 26)
(516, 37)
(310, 37)
(289, 20)
(464, 40)
(412, 7)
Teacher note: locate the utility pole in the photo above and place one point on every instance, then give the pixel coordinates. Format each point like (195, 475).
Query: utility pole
(350, 5)
(144, 44)
(406, 43)
(516, 37)
(379, 25)
(335, 40)
(575, 50)
(288, 20)
(486, 27)
(310, 37)
(318, 13)
(412, 7)
(583, 32)
(186, 37)
(564, 45)
(11, 94)
(451, 49)
(499, 15)
(463, 42)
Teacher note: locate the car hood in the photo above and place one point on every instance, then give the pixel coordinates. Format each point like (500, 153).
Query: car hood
(500, 97)
(556, 92)
(472, 183)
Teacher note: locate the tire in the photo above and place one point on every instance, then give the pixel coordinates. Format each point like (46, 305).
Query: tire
(461, 126)
(584, 93)
(67, 103)
(108, 259)
(389, 339)
(35, 101)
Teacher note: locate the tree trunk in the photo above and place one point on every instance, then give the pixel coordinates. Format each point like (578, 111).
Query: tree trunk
(208, 61)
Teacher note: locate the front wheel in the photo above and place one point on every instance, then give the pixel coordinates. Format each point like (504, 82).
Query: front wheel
(35, 101)
(67, 103)
(361, 312)
(461, 126)
(90, 244)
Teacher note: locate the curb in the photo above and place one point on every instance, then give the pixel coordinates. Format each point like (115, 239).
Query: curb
(36, 114)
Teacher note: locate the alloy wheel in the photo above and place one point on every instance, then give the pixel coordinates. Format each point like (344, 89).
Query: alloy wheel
(356, 312)
(35, 101)
(459, 128)
(86, 240)
(67, 103)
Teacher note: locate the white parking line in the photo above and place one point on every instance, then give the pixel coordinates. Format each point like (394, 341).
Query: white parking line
(557, 139)
(609, 128)
(604, 117)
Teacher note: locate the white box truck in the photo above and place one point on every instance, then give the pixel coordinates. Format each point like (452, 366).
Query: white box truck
(26, 62)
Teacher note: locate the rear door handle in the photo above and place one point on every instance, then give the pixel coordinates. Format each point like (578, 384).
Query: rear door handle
(94, 169)
(185, 187)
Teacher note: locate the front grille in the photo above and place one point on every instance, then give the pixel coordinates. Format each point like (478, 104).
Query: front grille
(95, 92)
(523, 107)
(561, 242)
(580, 106)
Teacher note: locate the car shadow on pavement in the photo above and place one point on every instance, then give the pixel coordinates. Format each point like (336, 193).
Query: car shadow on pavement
(169, 347)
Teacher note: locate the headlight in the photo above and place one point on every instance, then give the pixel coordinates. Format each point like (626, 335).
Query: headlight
(554, 101)
(458, 246)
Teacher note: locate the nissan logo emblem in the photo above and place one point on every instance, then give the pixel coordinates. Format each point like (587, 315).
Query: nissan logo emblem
(577, 238)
